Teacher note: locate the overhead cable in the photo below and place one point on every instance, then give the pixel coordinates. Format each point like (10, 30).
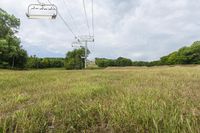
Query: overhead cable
(65, 22)
(86, 18)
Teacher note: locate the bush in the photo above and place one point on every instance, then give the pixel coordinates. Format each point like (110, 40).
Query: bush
(74, 59)
(38, 63)
(103, 62)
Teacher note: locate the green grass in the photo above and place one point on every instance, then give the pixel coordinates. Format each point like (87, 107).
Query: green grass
(158, 99)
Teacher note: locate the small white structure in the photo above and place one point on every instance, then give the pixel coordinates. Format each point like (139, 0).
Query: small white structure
(42, 11)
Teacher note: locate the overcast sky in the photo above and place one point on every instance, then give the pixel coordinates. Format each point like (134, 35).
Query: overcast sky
(136, 29)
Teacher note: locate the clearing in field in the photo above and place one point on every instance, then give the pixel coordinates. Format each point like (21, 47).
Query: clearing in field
(158, 99)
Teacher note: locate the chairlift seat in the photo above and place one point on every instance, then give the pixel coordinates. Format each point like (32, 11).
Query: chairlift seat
(42, 11)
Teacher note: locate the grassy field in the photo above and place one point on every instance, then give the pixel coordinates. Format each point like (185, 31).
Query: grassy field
(158, 99)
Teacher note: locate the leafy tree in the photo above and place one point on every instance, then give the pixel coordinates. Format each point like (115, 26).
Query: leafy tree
(123, 62)
(103, 62)
(185, 55)
(194, 53)
(9, 24)
(74, 59)
(12, 54)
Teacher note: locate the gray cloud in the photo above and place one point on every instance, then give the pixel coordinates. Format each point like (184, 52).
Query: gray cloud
(138, 29)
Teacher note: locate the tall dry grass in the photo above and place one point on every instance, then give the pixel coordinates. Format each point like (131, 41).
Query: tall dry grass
(158, 99)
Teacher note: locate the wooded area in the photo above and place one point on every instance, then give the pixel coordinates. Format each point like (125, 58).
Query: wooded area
(184, 56)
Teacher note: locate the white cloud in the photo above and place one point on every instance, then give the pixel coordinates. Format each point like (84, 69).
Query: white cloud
(137, 29)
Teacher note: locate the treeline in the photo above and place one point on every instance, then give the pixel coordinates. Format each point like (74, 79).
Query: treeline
(39, 63)
(121, 62)
(185, 55)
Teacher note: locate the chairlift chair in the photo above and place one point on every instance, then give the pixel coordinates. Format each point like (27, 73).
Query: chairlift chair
(42, 11)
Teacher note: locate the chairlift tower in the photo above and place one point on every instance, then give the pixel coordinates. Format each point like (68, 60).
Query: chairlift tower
(86, 40)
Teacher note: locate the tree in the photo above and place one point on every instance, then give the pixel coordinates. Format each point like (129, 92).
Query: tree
(185, 55)
(12, 54)
(121, 61)
(103, 62)
(9, 24)
(74, 59)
